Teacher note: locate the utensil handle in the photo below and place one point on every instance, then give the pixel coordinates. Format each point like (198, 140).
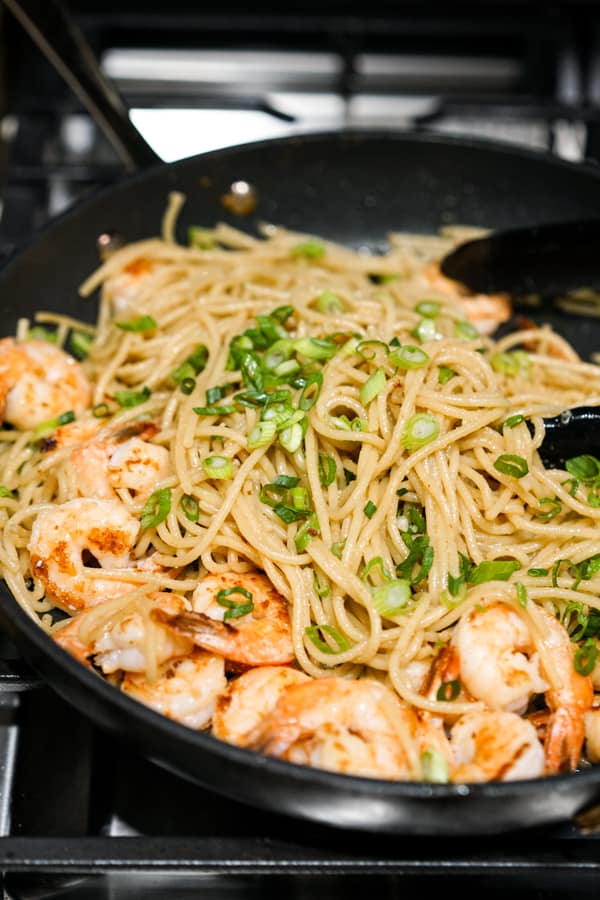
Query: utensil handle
(58, 36)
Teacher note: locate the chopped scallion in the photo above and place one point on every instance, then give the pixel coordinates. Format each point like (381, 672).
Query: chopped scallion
(369, 509)
(512, 465)
(391, 598)
(220, 467)
(139, 325)
(235, 608)
(156, 508)
(190, 507)
(409, 357)
(309, 250)
(127, 399)
(261, 435)
(373, 386)
(420, 430)
(314, 632)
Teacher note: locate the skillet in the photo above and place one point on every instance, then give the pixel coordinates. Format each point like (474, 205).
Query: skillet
(353, 187)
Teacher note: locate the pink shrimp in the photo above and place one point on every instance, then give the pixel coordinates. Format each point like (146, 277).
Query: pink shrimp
(38, 382)
(258, 636)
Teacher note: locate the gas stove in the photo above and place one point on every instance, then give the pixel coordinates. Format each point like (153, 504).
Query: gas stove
(82, 815)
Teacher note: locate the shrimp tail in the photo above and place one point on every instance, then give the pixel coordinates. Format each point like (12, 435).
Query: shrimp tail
(197, 626)
(564, 741)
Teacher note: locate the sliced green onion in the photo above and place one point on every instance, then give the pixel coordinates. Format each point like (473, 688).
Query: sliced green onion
(538, 573)
(375, 563)
(193, 365)
(291, 438)
(493, 570)
(314, 632)
(100, 411)
(327, 469)
(448, 691)
(445, 374)
(321, 589)
(39, 333)
(214, 410)
(314, 348)
(307, 530)
(309, 250)
(214, 394)
(329, 303)
(391, 598)
(139, 325)
(261, 435)
(512, 465)
(287, 481)
(465, 330)
(350, 347)
(585, 468)
(513, 421)
(156, 508)
(369, 509)
(584, 659)
(80, 344)
(235, 608)
(187, 386)
(555, 508)
(434, 766)
(420, 430)
(46, 428)
(373, 386)
(310, 392)
(428, 308)
(409, 357)
(374, 346)
(337, 548)
(299, 497)
(5, 492)
(127, 399)
(190, 507)
(220, 467)
(513, 362)
(289, 514)
(522, 597)
(200, 238)
(425, 330)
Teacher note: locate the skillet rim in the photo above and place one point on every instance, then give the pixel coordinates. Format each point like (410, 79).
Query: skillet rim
(25, 625)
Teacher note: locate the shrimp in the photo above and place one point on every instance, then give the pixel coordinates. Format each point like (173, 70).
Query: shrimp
(39, 381)
(249, 699)
(494, 745)
(501, 664)
(259, 637)
(568, 701)
(104, 466)
(187, 690)
(122, 288)
(485, 311)
(497, 658)
(70, 435)
(61, 537)
(343, 726)
(591, 723)
(119, 637)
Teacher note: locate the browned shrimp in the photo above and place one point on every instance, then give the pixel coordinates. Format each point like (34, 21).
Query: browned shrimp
(38, 382)
(347, 726)
(259, 632)
(485, 311)
(249, 699)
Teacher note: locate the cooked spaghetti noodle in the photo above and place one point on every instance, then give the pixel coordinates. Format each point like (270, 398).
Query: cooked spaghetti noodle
(335, 420)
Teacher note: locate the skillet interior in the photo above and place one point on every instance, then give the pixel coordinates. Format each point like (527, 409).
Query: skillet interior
(354, 188)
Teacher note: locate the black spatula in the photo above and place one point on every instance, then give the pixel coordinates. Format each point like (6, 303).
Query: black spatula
(546, 260)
